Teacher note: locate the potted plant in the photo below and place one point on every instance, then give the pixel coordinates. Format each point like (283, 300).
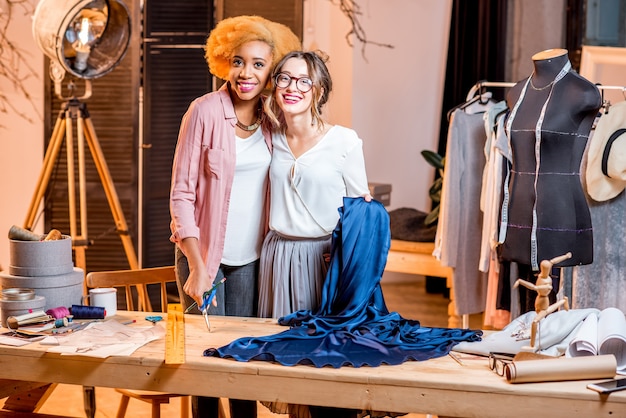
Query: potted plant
(434, 192)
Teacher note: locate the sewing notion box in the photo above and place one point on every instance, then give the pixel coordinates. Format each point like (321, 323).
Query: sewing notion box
(47, 268)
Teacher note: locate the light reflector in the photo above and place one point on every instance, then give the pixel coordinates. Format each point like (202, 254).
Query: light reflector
(88, 38)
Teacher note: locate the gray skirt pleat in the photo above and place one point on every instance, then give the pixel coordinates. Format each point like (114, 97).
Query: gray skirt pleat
(291, 274)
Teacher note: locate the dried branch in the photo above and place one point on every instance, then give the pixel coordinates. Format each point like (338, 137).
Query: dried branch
(352, 10)
(14, 62)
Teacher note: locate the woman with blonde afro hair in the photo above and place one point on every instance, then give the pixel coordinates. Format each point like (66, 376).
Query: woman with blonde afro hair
(219, 197)
(232, 32)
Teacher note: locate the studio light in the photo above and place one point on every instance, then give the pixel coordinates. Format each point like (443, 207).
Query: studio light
(86, 38)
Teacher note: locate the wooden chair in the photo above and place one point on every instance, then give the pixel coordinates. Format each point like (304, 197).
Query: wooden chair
(139, 279)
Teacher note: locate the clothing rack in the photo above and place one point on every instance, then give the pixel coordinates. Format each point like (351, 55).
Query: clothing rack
(476, 88)
(483, 83)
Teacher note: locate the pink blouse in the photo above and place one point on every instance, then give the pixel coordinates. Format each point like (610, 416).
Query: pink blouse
(202, 174)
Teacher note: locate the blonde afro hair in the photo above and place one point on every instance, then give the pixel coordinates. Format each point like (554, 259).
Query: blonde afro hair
(230, 33)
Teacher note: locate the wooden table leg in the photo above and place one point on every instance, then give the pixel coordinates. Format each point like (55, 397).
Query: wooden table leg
(89, 400)
(26, 396)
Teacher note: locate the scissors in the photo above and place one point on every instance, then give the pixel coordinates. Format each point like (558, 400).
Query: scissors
(207, 298)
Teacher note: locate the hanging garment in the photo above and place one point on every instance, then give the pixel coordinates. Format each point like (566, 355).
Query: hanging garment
(498, 158)
(353, 325)
(459, 229)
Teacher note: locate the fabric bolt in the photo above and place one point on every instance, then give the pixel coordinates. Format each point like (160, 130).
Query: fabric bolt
(554, 334)
(352, 326)
(459, 230)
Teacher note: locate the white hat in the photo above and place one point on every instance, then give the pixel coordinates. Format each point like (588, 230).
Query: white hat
(606, 158)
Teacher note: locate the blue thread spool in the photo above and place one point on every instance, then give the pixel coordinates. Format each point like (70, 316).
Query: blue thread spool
(61, 322)
(87, 312)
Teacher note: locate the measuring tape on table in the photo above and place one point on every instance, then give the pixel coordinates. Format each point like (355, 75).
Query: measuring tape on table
(175, 335)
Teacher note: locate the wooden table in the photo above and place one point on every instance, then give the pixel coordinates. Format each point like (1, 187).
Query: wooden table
(439, 386)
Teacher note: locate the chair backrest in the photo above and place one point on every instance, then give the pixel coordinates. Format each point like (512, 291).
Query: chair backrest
(139, 279)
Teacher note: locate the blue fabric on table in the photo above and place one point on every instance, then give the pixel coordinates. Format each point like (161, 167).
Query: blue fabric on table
(352, 325)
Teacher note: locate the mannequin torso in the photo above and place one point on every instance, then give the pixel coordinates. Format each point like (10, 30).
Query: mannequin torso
(551, 116)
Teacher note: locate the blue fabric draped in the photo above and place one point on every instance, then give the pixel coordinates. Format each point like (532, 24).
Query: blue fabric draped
(352, 326)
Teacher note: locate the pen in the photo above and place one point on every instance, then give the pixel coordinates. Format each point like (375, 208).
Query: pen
(206, 294)
(129, 322)
(456, 358)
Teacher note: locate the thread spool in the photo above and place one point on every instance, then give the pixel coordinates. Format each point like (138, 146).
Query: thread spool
(61, 322)
(57, 313)
(87, 312)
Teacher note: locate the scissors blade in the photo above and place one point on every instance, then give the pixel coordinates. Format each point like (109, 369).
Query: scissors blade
(205, 313)
(208, 298)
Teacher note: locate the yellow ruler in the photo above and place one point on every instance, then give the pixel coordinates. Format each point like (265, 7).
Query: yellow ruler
(175, 335)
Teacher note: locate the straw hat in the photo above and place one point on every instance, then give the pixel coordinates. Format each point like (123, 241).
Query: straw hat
(606, 158)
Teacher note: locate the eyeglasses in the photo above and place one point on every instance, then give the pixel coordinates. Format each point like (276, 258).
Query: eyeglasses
(303, 84)
(499, 361)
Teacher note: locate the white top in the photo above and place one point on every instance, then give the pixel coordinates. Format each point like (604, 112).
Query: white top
(306, 192)
(244, 230)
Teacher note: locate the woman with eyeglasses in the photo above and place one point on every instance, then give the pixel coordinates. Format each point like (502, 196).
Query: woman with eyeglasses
(314, 166)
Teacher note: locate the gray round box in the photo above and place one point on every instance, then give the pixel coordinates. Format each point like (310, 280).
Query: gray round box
(40, 258)
(59, 290)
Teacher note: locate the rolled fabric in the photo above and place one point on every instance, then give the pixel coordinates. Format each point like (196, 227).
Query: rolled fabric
(561, 368)
(22, 234)
(53, 235)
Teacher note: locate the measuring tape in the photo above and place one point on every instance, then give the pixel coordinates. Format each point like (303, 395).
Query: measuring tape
(175, 335)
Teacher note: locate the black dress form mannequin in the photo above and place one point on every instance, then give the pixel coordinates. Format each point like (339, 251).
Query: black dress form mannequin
(552, 113)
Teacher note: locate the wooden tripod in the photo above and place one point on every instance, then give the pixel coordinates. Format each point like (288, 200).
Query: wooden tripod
(63, 128)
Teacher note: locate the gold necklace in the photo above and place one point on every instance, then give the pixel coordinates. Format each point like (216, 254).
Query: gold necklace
(539, 88)
(252, 127)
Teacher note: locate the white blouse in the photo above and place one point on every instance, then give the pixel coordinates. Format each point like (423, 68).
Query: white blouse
(306, 192)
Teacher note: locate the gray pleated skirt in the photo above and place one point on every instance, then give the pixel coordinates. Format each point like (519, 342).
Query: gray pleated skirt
(291, 274)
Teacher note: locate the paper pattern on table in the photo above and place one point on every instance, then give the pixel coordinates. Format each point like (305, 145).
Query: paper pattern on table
(104, 339)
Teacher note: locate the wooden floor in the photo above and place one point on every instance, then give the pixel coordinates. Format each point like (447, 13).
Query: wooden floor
(405, 294)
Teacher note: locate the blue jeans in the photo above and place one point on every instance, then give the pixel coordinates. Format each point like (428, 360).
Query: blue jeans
(238, 296)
